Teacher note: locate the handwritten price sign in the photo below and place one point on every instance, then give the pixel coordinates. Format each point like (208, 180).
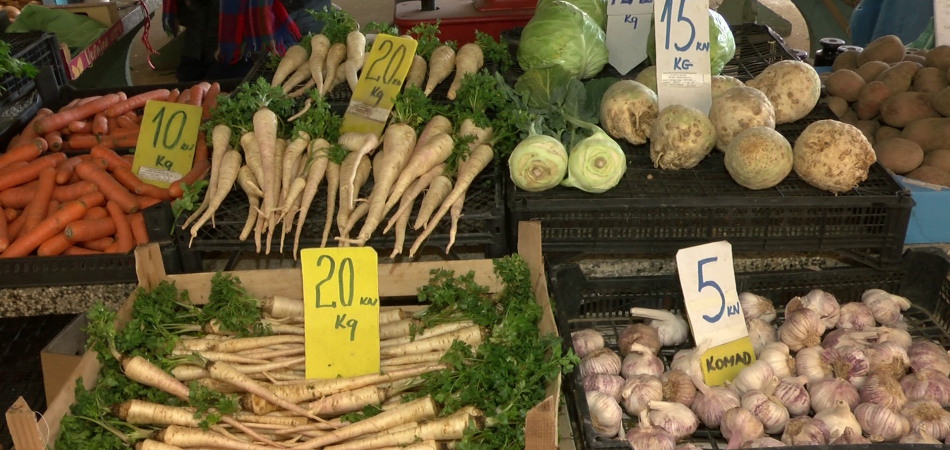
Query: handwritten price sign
(628, 26)
(682, 53)
(165, 149)
(341, 297)
(381, 79)
(715, 315)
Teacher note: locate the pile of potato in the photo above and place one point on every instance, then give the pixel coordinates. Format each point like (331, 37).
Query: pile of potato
(900, 100)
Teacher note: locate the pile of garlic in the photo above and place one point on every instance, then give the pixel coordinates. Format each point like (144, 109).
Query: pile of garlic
(829, 374)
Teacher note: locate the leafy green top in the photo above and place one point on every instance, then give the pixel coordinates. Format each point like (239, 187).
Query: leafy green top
(494, 51)
(191, 196)
(237, 110)
(13, 66)
(425, 34)
(337, 23)
(413, 108)
(381, 28)
(488, 101)
(319, 121)
(210, 404)
(233, 307)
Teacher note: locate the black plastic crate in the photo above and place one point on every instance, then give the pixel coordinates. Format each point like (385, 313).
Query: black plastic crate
(604, 304)
(481, 224)
(40, 50)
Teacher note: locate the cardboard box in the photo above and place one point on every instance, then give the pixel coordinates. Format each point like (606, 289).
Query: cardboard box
(395, 280)
(62, 355)
(108, 15)
(931, 213)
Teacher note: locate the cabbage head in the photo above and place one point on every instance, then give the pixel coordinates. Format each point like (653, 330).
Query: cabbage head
(561, 34)
(722, 44)
(596, 9)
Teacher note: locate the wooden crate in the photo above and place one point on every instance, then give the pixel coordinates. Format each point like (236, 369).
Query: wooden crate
(395, 280)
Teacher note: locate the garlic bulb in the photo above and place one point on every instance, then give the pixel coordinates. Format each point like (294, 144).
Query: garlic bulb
(927, 384)
(919, 437)
(678, 387)
(766, 408)
(756, 307)
(855, 316)
(587, 341)
(791, 393)
(763, 442)
(641, 361)
(929, 355)
(849, 363)
(838, 418)
(891, 334)
(611, 385)
(825, 394)
(648, 437)
(739, 425)
(672, 329)
(803, 328)
(882, 389)
(880, 423)
(712, 402)
(928, 416)
(600, 361)
(850, 438)
(778, 357)
(638, 333)
(810, 364)
(761, 333)
(805, 431)
(605, 414)
(888, 358)
(753, 377)
(885, 307)
(675, 418)
(690, 361)
(824, 304)
(852, 338)
(639, 391)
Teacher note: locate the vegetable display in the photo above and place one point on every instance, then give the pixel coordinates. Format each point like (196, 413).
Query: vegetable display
(561, 34)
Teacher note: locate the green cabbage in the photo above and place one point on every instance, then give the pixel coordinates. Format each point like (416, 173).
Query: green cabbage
(596, 9)
(562, 34)
(722, 44)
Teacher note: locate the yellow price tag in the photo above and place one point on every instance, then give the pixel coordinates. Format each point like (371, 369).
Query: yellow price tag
(381, 79)
(723, 363)
(341, 297)
(165, 149)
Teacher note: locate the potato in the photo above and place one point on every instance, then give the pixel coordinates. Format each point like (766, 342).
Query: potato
(885, 132)
(885, 48)
(868, 128)
(941, 102)
(930, 80)
(906, 107)
(871, 70)
(845, 84)
(759, 158)
(837, 105)
(722, 83)
(824, 76)
(899, 77)
(918, 51)
(915, 58)
(849, 117)
(899, 155)
(939, 57)
(793, 88)
(939, 159)
(628, 110)
(931, 175)
(738, 109)
(833, 156)
(929, 134)
(872, 96)
(846, 61)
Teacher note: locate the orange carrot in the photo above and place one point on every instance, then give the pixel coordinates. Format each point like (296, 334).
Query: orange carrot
(112, 158)
(136, 102)
(28, 134)
(70, 104)
(173, 96)
(90, 229)
(108, 186)
(210, 100)
(31, 171)
(196, 94)
(139, 232)
(137, 186)
(79, 141)
(122, 96)
(129, 158)
(61, 119)
(5, 238)
(75, 250)
(55, 245)
(125, 122)
(201, 147)
(16, 226)
(122, 141)
(100, 124)
(130, 115)
(123, 232)
(10, 214)
(112, 124)
(35, 212)
(80, 126)
(13, 167)
(145, 202)
(74, 191)
(20, 196)
(99, 244)
(32, 238)
(23, 152)
(198, 171)
(54, 140)
(96, 212)
(65, 170)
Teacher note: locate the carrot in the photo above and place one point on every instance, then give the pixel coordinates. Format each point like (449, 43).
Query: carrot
(138, 187)
(173, 96)
(112, 124)
(197, 94)
(13, 167)
(112, 158)
(123, 232)
(294, 57)
(93, 98)
(145, 202)
(51, 207)
(361, 144)
(185, 97)
(74, 191)
(53, 224)
(80, 126)
(122, 96)
(355, 54)
(54, 140)
(139, 231)
(35, 212)
(74, 250)
(55, 245)
(28, 134)
(65, 170)
(84, 230)
(108, 186)
(438, 190)
(96, 212)
(136, 102)
(201, 147)
(220, 136)
(16, 226)
(230, 165)
(319, 47)
(210, 100)
(441, 64)
(79, 141)
(244, 180)
(129, 158)
(24, 152)
(31, 171)
(315, 173)
(433, 152)
(100, 124)
(415, 411)
(455, 213)
(99, 245)
(468, 60)
(333, 182)
(4, 235)
(121, 141)
(198, 171)
(20, 196)
(125, 122)
(417, 72)
(10, 214)
(335, 56)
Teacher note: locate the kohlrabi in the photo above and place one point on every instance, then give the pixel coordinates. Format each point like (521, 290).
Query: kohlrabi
(596, 163)
(538, 163)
